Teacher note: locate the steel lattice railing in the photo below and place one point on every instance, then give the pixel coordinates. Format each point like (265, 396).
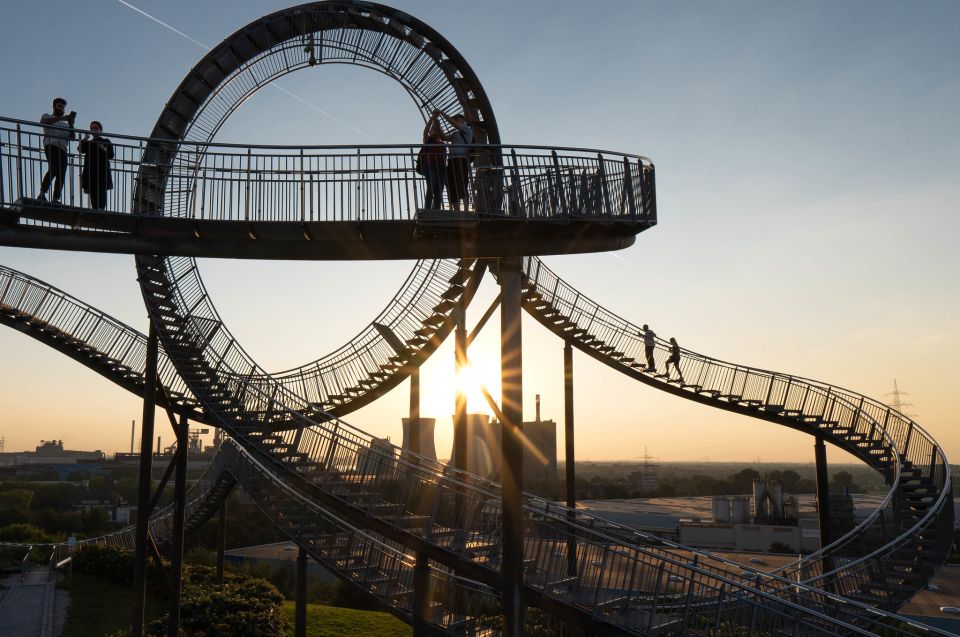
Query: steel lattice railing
(347, 464)
(882, 437)
(223, 182)
(358, 446)
(112, 347)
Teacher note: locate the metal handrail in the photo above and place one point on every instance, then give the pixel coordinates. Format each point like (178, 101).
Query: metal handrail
(352, 147)
(490, 488)
(205, 181)
(26, 563)
(118, 345)
(879, 422)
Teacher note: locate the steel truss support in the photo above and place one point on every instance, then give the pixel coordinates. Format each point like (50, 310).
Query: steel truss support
(823, 490)
(413, 426)
(421, 595)
(571, 476)
(143, 488)
(300, 613)
(221, 539)
(460, 406)
(511, 441)
(179, 519)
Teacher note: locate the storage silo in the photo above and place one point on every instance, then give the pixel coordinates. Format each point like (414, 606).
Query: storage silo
(721, 509)
(760, 510)
(775, 493)
(740, 509)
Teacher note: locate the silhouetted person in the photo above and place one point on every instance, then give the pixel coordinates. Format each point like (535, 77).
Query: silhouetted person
(674, 358)
(649, 343)
(95, 178)
(433, 162)
(57, 133)
(458, 163)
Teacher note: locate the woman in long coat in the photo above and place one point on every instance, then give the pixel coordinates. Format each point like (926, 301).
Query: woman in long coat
(95, 178)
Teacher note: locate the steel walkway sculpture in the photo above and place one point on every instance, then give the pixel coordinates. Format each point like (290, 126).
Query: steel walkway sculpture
(325, 482)
(361, 475)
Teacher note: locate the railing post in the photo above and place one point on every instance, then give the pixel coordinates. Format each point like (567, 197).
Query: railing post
(303, 192)
(19, 163)
(906, 444)
(628, 188)
(246, 195)
(686, 605)
(604, 187)
(516, 188)
(656, 593)
(561, 192)
(3, 200)
(650, 191)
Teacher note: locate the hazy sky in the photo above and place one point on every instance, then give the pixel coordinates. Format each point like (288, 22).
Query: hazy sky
(807, 173)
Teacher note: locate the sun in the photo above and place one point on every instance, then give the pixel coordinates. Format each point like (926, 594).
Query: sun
(439, 393)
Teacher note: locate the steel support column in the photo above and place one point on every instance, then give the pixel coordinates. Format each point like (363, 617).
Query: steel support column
(179, 518)
(421, 596)
(571, 477)
(511, 473)
(823, 491)
(413, 426)
(143, 491)
(221, 539)
(300, 612)
(460, 406)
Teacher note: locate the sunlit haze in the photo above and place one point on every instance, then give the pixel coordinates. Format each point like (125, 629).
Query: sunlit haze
(807, 161)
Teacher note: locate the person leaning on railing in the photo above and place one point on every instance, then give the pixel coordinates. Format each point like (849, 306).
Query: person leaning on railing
(433, 162)
(57, 133)
(458, 163)
(95, 178)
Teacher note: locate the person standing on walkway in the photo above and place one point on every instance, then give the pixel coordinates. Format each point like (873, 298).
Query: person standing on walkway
(675, 359)
(458, 164)
(57, 133)
(433, 162)
(649, 343)
(95, 178)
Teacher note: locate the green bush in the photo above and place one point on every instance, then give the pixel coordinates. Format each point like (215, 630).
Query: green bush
(243, 607)
(780, 547)
(26, 534)
(116, 565)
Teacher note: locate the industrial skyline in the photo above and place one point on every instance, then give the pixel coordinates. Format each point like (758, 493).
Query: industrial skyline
(805, 170)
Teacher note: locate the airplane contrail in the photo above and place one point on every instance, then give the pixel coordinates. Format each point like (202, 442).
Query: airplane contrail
(163, 24)
(275, 86)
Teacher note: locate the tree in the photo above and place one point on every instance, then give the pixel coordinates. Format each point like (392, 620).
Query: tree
(844, 480)
(56, 497)
(15, 506)
(791, 480)
(742, 481)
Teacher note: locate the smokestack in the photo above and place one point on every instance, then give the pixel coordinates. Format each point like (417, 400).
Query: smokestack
(538, 407)
(133, 430)
(158, 445)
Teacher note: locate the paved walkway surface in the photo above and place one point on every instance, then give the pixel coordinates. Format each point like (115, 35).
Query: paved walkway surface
(26, 608)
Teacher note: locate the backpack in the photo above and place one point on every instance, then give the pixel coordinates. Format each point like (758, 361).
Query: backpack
(418, 165)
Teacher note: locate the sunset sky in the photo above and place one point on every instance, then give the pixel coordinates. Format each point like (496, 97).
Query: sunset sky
(808, 182)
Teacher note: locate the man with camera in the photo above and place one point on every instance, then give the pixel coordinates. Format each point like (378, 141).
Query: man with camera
(58, 130)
